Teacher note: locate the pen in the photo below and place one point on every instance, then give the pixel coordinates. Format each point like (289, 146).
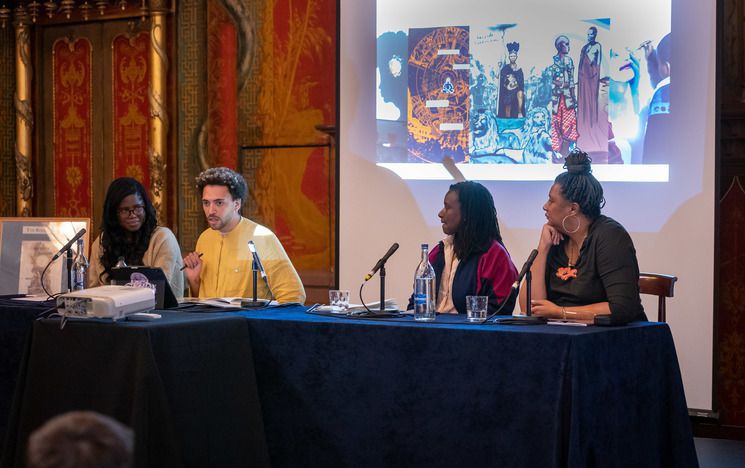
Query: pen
(312, 308)
(184, 267)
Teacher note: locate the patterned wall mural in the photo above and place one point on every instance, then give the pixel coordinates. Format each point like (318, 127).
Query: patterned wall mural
(731, 326)
(7, 123)
(292, 90)
(191, 111)
(266, 78)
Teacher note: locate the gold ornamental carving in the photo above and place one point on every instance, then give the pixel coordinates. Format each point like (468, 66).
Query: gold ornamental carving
(24, 118)
(158, 113)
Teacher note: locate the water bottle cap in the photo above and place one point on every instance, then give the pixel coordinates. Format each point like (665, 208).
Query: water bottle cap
(425, 246)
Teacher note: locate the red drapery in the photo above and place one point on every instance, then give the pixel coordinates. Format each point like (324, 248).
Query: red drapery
(130, 126)
(72, 127)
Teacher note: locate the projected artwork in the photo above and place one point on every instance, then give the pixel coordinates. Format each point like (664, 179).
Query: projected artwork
(525, 92)
(438, 94)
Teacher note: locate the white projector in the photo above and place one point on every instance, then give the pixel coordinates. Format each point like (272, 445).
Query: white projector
(110, 301)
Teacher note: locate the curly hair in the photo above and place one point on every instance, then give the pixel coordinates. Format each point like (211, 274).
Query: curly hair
(235, 182)
(578, 185)
(115, 240)
(478, 220)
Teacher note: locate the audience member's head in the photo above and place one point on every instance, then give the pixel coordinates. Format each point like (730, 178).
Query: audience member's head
(81, 439)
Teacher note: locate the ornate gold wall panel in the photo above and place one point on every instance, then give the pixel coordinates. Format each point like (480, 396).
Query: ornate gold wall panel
(23, 150)
(7, 123)
(191, 37)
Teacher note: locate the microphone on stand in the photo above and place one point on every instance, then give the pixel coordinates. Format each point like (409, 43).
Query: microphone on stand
(69, 245)
(380, 266)
(255, 255)
(526, 268)
(257, 267)
(382, 261)
(526, 319)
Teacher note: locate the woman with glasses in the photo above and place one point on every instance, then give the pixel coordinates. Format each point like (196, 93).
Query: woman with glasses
(130, 231)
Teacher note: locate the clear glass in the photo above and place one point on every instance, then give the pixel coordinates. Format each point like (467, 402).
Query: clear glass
(424, 289)
(476, 307)
(339, 298)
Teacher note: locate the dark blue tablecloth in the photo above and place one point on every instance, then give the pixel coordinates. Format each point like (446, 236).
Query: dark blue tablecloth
(376, 393)
(341, 392)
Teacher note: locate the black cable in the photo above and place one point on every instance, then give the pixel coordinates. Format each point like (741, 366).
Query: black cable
(363, 301)
(495, 313)
(49, 296)
(47, 312)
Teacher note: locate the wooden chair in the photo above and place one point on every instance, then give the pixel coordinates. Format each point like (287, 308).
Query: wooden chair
(658, 285)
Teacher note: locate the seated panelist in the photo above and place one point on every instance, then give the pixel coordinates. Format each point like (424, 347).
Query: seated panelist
(586, 263)
(130, 230)
(471, 260)
(221, 266)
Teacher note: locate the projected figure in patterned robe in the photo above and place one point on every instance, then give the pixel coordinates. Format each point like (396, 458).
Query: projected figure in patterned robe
(592, 116)
(563, 101)
(511, 87)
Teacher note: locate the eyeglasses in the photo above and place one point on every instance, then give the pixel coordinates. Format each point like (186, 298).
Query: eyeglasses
(139, 210)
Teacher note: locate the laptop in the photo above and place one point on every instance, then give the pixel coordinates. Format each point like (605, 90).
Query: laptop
(147, 277)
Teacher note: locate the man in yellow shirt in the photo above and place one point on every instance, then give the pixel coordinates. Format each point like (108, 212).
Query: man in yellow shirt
(221, 266)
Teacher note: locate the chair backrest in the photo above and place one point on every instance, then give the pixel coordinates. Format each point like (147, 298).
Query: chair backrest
(658, 285)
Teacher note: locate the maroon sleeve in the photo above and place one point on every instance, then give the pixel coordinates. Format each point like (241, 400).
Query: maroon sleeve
(496, 272)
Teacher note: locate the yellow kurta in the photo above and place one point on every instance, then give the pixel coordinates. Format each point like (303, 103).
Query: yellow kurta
(226, 264)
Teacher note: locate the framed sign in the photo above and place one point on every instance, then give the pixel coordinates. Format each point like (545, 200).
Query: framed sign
(27, 245)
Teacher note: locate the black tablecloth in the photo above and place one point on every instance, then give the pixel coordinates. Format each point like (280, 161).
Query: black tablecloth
(16, 318)
(184, 383)
(392, 393)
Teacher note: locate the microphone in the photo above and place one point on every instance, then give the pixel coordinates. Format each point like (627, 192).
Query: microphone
(382, 261)
(257, 266)
(252, 248)
(68, 245)
(526, 268)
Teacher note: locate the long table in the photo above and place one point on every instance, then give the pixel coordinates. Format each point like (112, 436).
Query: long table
(334, 391)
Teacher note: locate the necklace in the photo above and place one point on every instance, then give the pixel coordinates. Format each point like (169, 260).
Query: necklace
(569, 271)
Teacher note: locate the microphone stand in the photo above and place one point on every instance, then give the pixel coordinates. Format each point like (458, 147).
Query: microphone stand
(255, 303)
(528, 318)
(382, 310)
(69, 270)
(528, 291)
(382, 289)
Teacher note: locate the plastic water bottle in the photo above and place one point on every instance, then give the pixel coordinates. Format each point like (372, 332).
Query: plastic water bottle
(79, 268)
(424, 288)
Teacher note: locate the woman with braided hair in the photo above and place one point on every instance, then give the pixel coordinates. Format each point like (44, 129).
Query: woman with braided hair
(586, 263)
(471, 260)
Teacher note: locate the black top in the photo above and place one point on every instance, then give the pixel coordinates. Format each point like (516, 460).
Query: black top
(607, 271)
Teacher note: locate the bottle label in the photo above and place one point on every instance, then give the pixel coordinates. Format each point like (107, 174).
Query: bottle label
(420, 299)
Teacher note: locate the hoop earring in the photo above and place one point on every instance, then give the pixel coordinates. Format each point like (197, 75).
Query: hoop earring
(563, 224)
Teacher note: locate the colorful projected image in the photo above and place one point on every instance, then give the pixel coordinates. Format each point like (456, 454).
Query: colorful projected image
(438, 94)
(524, 93)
